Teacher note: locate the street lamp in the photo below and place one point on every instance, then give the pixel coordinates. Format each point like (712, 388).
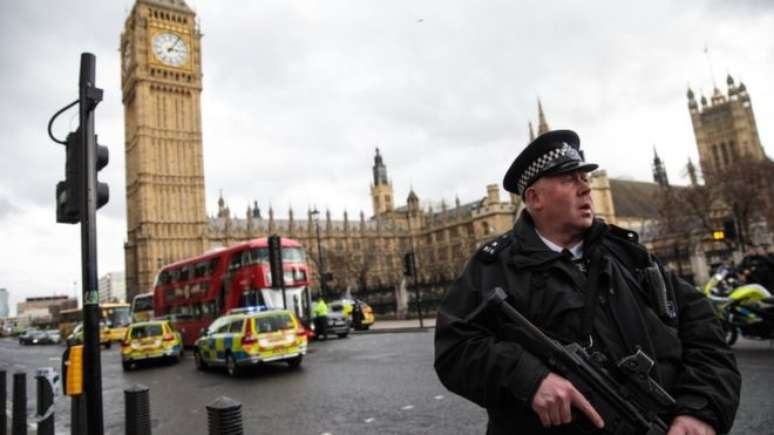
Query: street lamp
(323, 290)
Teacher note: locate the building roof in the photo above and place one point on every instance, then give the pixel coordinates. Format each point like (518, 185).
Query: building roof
(634, 199)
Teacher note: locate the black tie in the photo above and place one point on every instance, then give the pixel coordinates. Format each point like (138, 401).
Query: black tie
(578, 262)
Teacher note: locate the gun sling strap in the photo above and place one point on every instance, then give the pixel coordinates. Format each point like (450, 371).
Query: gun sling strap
(624, 309)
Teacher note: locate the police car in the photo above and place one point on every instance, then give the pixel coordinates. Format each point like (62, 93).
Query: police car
(248, 337)
(152, 340)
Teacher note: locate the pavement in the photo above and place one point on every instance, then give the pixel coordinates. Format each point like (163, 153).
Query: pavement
(393, 326)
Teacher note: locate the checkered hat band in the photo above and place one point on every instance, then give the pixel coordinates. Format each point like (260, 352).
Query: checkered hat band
(565, 153)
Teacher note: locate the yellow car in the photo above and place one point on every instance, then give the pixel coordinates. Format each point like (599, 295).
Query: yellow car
(76, 337)
(152, 340)
(347, 307)
(245, 338)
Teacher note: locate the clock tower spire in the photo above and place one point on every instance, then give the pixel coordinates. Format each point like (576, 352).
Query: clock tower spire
(161, 90)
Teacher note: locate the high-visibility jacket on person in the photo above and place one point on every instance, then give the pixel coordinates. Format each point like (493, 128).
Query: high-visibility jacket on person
(347, 309)
(320, 308)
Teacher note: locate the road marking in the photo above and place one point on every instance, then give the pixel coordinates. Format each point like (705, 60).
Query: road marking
(327, 433)
(438, 397)
(369, 420)
(407, 407)
(55, 358)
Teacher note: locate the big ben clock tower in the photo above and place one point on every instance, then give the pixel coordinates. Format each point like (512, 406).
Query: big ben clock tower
(162, 84)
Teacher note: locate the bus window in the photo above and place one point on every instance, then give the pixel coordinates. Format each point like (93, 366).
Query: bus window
(200, 270)
(185, 273)
(293, 255)
(259, 255)
(213, 266)
(165, 278)
(236, 261)
(117, 317)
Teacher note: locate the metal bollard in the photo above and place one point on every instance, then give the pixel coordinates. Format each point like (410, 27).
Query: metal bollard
(224, 417)
(3, 399)
(45, 401)
(78, 415)
(19, 423)
(137, 406)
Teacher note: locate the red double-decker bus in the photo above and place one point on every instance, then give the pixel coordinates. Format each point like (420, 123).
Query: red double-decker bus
(195, 291)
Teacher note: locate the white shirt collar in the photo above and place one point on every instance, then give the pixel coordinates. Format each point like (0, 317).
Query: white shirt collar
(576, 251)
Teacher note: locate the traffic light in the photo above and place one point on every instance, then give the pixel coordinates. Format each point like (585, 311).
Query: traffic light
(718, 235)
(409, 268)
(275, 262)
(102, 159)
(729, 228)
(68, 192)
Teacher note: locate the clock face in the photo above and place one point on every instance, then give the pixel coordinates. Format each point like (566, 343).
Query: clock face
(170, 48)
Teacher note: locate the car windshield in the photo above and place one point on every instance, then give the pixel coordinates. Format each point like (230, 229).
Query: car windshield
(273, 323)
(146, 331)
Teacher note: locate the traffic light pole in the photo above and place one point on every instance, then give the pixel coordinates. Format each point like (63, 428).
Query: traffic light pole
(90, 96)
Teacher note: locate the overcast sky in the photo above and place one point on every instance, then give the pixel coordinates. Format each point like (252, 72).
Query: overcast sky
(297, 94)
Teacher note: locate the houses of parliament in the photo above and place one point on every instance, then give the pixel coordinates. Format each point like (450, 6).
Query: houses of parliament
(165, 197)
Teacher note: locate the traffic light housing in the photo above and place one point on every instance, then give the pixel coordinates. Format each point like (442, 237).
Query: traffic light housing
(102, 159)
(729, 229)
(275, 262)
(68, 192)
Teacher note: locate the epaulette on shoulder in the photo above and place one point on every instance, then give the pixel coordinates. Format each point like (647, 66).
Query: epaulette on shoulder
(488, 252)
(624, 234)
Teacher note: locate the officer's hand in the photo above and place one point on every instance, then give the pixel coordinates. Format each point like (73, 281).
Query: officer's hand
(687, 425)
(554, 399)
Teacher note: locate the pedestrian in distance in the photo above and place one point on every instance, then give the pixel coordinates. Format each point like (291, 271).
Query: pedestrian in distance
(547, 265)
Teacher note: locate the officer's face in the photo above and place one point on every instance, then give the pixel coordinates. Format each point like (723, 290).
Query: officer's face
(563, 202)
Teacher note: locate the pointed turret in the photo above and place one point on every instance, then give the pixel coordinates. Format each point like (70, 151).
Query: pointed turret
(691, 169)
(531, 132)
(542, 124)
(659, 172)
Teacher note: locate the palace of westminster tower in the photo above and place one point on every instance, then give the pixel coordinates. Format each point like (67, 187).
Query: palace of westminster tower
(165, 198)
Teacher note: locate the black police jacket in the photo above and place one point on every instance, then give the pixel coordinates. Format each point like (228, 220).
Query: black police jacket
(483, 361)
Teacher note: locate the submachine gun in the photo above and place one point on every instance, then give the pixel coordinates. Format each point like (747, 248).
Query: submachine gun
(626, 396)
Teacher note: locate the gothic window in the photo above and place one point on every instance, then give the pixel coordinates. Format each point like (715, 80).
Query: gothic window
(716, 155)
(724, 149)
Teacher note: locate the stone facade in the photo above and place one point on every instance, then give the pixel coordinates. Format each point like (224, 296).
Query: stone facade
(725, 127)
(161, 85)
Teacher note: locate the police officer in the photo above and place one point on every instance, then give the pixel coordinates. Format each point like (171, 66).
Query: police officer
(546, 264)
(320, 311)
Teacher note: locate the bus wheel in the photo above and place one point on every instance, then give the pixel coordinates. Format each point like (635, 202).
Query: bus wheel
(199, 362)
(107, 345)
(126, 365)
(231, 366)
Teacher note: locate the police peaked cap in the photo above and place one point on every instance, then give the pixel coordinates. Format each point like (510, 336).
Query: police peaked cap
(551, 153)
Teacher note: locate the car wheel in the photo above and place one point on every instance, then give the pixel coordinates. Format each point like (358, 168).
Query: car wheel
(295, 363)
(199, 361)
(126, 365)
(343, 334)
(231, 366)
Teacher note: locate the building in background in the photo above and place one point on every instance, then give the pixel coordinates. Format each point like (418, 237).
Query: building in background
(165, 207)
(112, 287)
(4, 308)
(166, 211)
(44, 309)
